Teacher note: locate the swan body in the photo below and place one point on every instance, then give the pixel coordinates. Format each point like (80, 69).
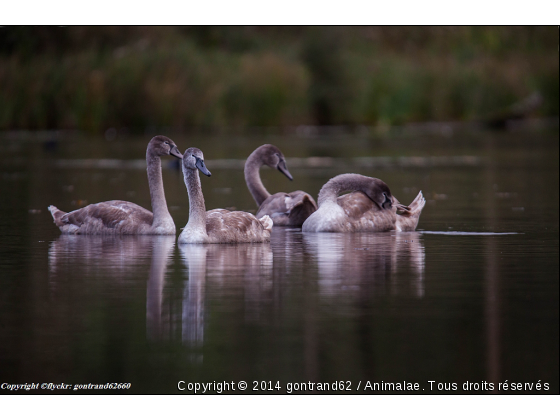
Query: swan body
(123, 217)
(285, 209)
(219, 225)
(369, 208)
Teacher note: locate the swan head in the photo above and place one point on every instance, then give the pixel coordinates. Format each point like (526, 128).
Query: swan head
(379, 193)
(161, 146)
(194, 159)
(273, 157)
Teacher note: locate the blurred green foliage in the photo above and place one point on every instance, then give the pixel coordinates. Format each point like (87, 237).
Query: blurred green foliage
(93, 78)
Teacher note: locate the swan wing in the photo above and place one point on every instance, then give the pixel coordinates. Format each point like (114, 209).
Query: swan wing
(223, 226)
(357, 205)
(108, 215)
(364, 215)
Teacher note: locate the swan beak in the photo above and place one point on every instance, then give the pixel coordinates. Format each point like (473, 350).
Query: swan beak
(202, 167)
(175, 152)
(282, 168)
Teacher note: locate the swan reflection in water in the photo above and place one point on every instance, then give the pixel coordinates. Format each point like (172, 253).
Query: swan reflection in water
(113, 267)
(366, 264)
(157, 326)
(243, 266)
(112, 261)
(115, 257)
(355, 266)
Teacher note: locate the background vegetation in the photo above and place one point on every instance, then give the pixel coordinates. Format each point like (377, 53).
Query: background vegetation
(94, 78)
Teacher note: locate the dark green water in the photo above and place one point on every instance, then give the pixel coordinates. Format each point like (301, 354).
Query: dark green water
(434, 305)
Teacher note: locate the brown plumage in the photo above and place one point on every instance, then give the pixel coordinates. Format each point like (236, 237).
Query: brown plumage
(370, 207)
(123, 217)
(219, 225)
(285, 209)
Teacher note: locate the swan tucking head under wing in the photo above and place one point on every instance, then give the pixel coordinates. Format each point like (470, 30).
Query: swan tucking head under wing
(370, 207)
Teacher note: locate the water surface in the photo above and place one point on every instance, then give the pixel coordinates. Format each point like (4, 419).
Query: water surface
(472, 296)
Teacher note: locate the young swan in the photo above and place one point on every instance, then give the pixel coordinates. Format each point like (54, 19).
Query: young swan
(285, 209)
(122, 217)
(370, 208)
(219, 225)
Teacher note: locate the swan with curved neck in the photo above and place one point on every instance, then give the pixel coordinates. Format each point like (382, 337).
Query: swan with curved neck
(369, 208)
(123, 217)
(285, 209)
(219, 225)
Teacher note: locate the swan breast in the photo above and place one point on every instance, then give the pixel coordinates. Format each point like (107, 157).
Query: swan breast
(330, 217)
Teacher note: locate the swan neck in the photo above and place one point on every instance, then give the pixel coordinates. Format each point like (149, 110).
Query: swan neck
(155, 182)
(253, 178)
(197, 208)
(327, 195)
(332, 189)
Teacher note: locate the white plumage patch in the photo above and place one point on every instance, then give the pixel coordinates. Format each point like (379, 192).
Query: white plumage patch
(266, 222)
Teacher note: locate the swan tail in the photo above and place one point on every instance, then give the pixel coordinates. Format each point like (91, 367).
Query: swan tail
(57, 216)
(408, 219)
(417, 205)
(267, 223)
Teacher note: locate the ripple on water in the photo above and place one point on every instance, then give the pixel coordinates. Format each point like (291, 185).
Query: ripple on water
(428, 232)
